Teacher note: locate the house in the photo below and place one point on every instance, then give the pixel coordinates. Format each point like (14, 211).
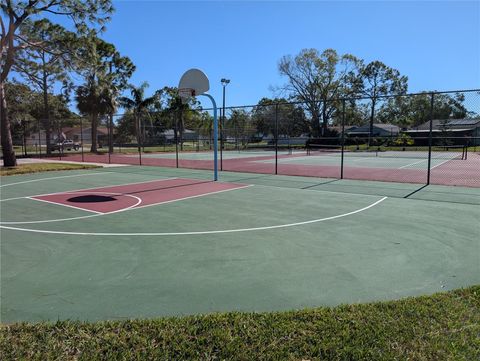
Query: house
(188, 135)
(458, 131)
(379, 130)
(76, 134)
(36, 139)
(40, 138)
(84, 135)
(338, 128)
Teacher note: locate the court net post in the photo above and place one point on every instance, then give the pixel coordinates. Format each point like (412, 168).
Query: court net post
(342, 138)
(432, 97)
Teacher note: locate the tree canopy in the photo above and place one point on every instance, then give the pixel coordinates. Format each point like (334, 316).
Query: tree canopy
(105, 73)
(319, 80)
(85, 15)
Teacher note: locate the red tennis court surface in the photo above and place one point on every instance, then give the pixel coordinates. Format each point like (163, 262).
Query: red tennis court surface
(117, 198)
(455, 173)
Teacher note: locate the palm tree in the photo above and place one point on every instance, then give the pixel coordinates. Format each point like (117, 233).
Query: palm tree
(206, 127)
(106, 73)
(138, 105)
(93, 98)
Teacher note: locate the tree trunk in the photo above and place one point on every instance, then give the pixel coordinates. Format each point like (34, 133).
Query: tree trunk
(324, 119)
(316, 124)
(9, 159)
(372, 116)
(93, 148)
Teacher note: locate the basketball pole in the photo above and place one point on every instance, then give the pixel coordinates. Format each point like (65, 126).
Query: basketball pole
(215, 137)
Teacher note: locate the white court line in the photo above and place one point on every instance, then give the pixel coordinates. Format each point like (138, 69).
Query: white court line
(425, 160)
(197, 196)
(138, 200)
(123, 209)
(63, 205)
(439, 164)
(408, 165)
(198, 232)
(86, 189)
(65, 176)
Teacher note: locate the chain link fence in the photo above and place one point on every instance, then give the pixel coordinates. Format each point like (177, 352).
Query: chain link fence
(425, 138)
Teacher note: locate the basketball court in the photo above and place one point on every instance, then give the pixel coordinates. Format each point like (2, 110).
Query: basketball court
(140, 242)
(133, 242)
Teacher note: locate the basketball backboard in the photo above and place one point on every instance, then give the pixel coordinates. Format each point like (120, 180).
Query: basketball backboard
(193, 82)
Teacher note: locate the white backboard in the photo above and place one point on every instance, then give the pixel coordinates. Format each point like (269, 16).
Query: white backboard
(196, 80)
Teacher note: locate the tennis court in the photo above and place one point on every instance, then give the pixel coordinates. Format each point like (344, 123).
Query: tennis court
(134, 242)
(206, 155)
(394, 160)
(452, 168)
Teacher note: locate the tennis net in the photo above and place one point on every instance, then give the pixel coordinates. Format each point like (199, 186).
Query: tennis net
(448, 152)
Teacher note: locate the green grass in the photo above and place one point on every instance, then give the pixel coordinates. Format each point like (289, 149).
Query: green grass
(42, 167)
(444, 326)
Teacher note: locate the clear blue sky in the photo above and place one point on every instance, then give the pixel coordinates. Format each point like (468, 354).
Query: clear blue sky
(436, 44)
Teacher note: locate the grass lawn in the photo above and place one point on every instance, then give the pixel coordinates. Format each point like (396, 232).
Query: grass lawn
(42, 167)
(444, 326)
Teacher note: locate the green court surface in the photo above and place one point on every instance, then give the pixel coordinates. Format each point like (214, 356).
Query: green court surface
(205, 155)
(367, 161)
(390, 160)
(281, 243)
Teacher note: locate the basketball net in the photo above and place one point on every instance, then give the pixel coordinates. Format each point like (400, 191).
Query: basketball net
(185, 94)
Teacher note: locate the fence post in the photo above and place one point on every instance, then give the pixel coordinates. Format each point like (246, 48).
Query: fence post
(370, 123)
(222, 124)
(24, 138)
(110, 146)
(343, 137)
(139, 140)
(175, 137)
(39, 137)
(276, 138)
(59, 132)
(199, 138)
(81, 137)
(430, 139)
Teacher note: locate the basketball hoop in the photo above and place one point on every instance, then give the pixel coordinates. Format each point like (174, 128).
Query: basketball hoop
(185, 94)
(194, 82)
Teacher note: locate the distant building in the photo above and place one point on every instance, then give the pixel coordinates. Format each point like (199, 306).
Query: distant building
(188, 135)
(36, 139)
(84, 135)
(458, 131)
(76, 134)
(379, 130)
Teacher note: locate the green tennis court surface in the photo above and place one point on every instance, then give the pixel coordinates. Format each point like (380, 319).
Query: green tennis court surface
(388, 160)
(209, 155)
(266, 243)
(361, 162)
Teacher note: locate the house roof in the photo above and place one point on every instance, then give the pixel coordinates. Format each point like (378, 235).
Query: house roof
(338, 128)
(453, 123)
(386, 126)
(436, 130)
(366, 127)
(462, 122)
(172, 132)
(72, 130)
